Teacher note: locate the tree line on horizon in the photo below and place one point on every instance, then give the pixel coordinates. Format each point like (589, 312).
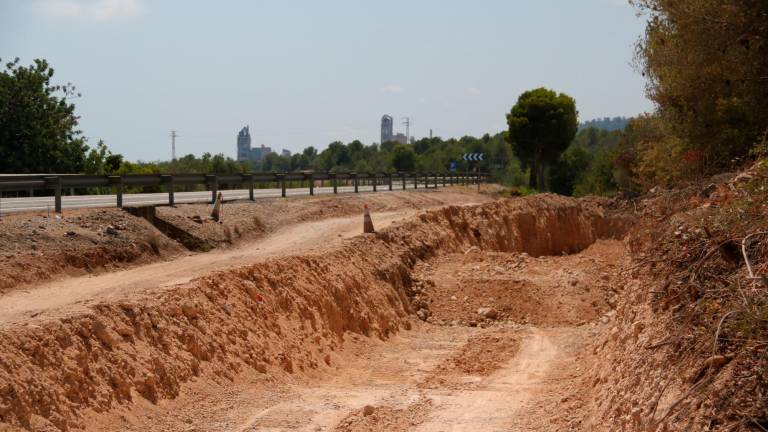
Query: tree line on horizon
(708, 84)
(38, 134)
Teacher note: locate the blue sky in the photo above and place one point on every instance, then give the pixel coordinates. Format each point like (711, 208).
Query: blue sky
(306, 73)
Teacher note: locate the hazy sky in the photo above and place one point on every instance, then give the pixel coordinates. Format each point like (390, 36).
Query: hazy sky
(306, 73)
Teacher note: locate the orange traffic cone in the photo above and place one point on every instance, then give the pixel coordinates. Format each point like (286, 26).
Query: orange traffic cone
(367, 222)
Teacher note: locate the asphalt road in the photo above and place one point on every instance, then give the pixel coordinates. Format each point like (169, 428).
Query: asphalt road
(10, 205)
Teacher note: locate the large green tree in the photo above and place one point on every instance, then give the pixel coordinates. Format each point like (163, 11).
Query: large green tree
(38, 126)
(403, 158)
(706, 62)
(541, 126)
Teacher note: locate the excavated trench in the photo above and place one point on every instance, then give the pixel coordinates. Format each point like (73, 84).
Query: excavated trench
(278, 317)
(188, 240)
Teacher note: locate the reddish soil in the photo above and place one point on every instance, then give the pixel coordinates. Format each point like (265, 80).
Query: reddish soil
(245, 221)
(528, 314)
(481, 356)
(544, 291)
(385, 418)
(285, 320)
(37, 247)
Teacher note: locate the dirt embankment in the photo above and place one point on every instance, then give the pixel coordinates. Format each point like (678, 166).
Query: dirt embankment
(279, 317)
(36, 247)
(687, 347)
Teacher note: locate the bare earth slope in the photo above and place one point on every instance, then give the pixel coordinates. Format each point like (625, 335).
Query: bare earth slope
(253, 346)
(35, 247)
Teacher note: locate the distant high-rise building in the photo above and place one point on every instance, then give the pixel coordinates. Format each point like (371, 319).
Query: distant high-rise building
(244, 144)
(413, 140)
(401, 138)
(247, 153)
(259, 153)
(286, 153)
(386, 128)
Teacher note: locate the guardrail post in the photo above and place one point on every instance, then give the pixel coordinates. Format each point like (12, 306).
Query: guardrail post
(375, 181)
(168, 180)
(213, 184)
(416, 181)
(117, 181)
(444, 181)
(250, 187)
(281, 179)
(435, 180)
(389, 179)
(335, 183)
(311, 184)
(55, 183)
(354, 177)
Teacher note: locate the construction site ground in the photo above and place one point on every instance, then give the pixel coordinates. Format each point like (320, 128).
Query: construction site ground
(439, 376)
(464, 311)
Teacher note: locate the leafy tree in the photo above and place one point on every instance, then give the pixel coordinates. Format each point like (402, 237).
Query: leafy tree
(388, 146)
(541, 126)
(363, 166)
(38, 127)
(101, 161)
(310, 152)
(607, 123)
(569, 168)
(599, 178)
(403, 158)
(707, 66)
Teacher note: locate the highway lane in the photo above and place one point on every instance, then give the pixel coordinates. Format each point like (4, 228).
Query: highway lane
(11, 205)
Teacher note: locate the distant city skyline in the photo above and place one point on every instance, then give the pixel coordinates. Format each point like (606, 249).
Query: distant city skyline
(309, 73)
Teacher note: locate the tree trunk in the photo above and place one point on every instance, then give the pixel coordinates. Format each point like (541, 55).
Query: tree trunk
(540, 172)
(534, 174)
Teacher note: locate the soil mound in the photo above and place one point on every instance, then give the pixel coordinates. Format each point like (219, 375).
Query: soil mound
(36, 247)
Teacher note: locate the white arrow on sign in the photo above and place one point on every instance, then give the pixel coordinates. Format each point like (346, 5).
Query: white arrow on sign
(474, 156)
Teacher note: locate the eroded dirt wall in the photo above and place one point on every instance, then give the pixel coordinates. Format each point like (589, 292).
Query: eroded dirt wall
(279, 317)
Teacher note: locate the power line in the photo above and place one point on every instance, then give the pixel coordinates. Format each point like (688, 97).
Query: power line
(407, 123)
(173, 144)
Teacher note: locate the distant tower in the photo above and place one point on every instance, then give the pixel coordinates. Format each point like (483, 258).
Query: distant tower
(386, 129)
(244, 144)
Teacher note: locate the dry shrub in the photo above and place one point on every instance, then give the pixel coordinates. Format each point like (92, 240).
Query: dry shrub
(718, 315)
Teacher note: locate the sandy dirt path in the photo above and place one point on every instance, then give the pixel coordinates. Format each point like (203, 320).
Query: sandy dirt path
(390, 377)
(433, 378)
(498, 399)
(74, 294)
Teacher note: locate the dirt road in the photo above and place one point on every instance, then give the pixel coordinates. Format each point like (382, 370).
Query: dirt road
(433, 378)
(71, 295)
(390, 377)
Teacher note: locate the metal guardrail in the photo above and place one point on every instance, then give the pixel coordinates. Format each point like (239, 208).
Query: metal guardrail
(212, 181)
